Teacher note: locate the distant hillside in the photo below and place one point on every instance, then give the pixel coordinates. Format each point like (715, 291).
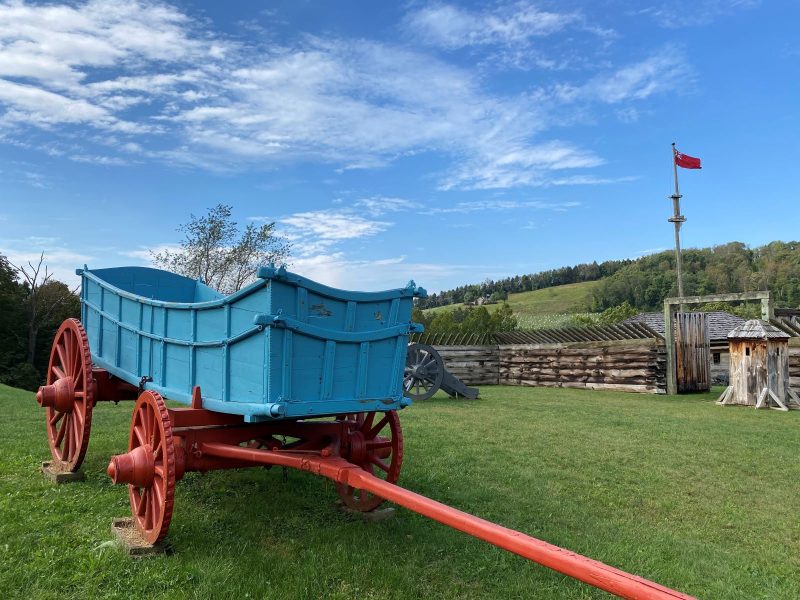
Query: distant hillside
(731, 267)
(526, 283)
(548, 307)
(645, 282)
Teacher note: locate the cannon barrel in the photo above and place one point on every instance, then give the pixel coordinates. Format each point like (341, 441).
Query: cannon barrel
(595, 573)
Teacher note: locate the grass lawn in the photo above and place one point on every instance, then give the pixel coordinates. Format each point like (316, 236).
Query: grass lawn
(696, 497)
(548, 307)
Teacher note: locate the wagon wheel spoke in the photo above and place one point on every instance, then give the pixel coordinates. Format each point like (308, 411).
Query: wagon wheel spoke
(377, 428)
(367, 422)
(379, 463)
(61, 431)
(373, 445)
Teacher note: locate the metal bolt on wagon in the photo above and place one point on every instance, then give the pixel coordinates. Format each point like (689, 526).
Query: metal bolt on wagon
(284, 372)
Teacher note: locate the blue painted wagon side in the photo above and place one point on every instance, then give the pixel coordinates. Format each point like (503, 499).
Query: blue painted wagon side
(284, 347)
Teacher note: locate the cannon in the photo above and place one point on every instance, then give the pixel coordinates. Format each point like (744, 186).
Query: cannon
(425, 374)
(285, 372)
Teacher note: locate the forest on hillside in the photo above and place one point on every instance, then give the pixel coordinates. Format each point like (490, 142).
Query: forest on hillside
(645, 282)
(722, 269)
(525, 283)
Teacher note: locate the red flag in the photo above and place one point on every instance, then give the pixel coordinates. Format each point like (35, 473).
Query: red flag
(686, 161)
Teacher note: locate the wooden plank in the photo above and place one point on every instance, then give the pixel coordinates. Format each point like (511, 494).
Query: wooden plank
(732, 297)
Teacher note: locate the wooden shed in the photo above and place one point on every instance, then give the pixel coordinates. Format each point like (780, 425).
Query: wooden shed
(759, 367)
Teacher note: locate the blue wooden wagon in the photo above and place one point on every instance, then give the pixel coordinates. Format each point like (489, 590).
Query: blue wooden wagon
(284, 347)
(285, 372)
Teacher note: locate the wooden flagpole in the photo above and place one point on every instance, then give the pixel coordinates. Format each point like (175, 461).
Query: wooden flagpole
(677, 219)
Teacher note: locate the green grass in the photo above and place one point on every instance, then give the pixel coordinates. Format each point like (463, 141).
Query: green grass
(548, 307)
(697, 497)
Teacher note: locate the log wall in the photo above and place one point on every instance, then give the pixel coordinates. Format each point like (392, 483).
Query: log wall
(626, 365)
(630, 365)
(794, 365)
(474, 365)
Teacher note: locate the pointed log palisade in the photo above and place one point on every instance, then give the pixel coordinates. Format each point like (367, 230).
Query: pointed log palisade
(285, 372)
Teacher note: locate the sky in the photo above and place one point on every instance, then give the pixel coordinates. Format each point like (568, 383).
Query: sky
(444, 142)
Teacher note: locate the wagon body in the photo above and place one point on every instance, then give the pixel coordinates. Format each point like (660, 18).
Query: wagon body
(284, 347)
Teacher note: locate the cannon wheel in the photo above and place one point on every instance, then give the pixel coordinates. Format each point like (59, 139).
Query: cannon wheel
(376, 445)
(71, 390)
(424, 372)
(152, 505)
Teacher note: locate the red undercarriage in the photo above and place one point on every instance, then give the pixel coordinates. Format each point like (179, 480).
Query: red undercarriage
(361, 453)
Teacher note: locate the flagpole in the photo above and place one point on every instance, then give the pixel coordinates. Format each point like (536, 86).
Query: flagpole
(677, 219)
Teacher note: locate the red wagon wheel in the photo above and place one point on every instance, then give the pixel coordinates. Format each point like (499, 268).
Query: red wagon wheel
(376, 445)
(69, 395)
(149, 467)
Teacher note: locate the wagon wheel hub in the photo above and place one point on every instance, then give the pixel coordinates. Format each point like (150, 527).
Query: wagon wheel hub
(375, 443)
(59, 395)
(358, 447)
(137, 467)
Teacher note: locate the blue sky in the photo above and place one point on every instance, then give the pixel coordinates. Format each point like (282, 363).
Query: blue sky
(444, 142)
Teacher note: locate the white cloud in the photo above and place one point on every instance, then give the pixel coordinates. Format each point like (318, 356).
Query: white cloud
(664, 71)
(161, 87)
(145, 254)
(451, 26)
(379, 205)
(498, 205)
(689, 13)
(519, 165)
(336, 270)
(60, 259)
(332, 225)
(592, 180)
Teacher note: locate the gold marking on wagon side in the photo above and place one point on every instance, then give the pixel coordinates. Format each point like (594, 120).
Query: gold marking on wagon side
(320, 310)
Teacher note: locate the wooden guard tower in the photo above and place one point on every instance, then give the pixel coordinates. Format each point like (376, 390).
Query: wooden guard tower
(759, 367)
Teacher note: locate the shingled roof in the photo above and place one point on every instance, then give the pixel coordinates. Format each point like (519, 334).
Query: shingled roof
(757, 330)
(720, 323)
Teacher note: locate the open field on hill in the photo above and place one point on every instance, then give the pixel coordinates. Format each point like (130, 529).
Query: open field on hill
(548, 307)
(697, 497)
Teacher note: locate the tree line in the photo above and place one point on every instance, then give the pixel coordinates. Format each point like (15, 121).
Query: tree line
(32, 307)
(727, 268)
(643, 283)
(500, 288)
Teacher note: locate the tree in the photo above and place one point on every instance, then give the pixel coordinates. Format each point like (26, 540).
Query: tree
(617, 314)
(12, 318)
(217, 251)
(45, 299)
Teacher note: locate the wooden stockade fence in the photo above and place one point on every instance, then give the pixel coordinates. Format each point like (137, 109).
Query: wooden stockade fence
(794, 364)
(454, 339)
(620, 365)
(627, 357)
(474, 365)
(566, 335)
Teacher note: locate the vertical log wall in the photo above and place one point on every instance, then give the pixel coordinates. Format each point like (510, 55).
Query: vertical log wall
(622, 365)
